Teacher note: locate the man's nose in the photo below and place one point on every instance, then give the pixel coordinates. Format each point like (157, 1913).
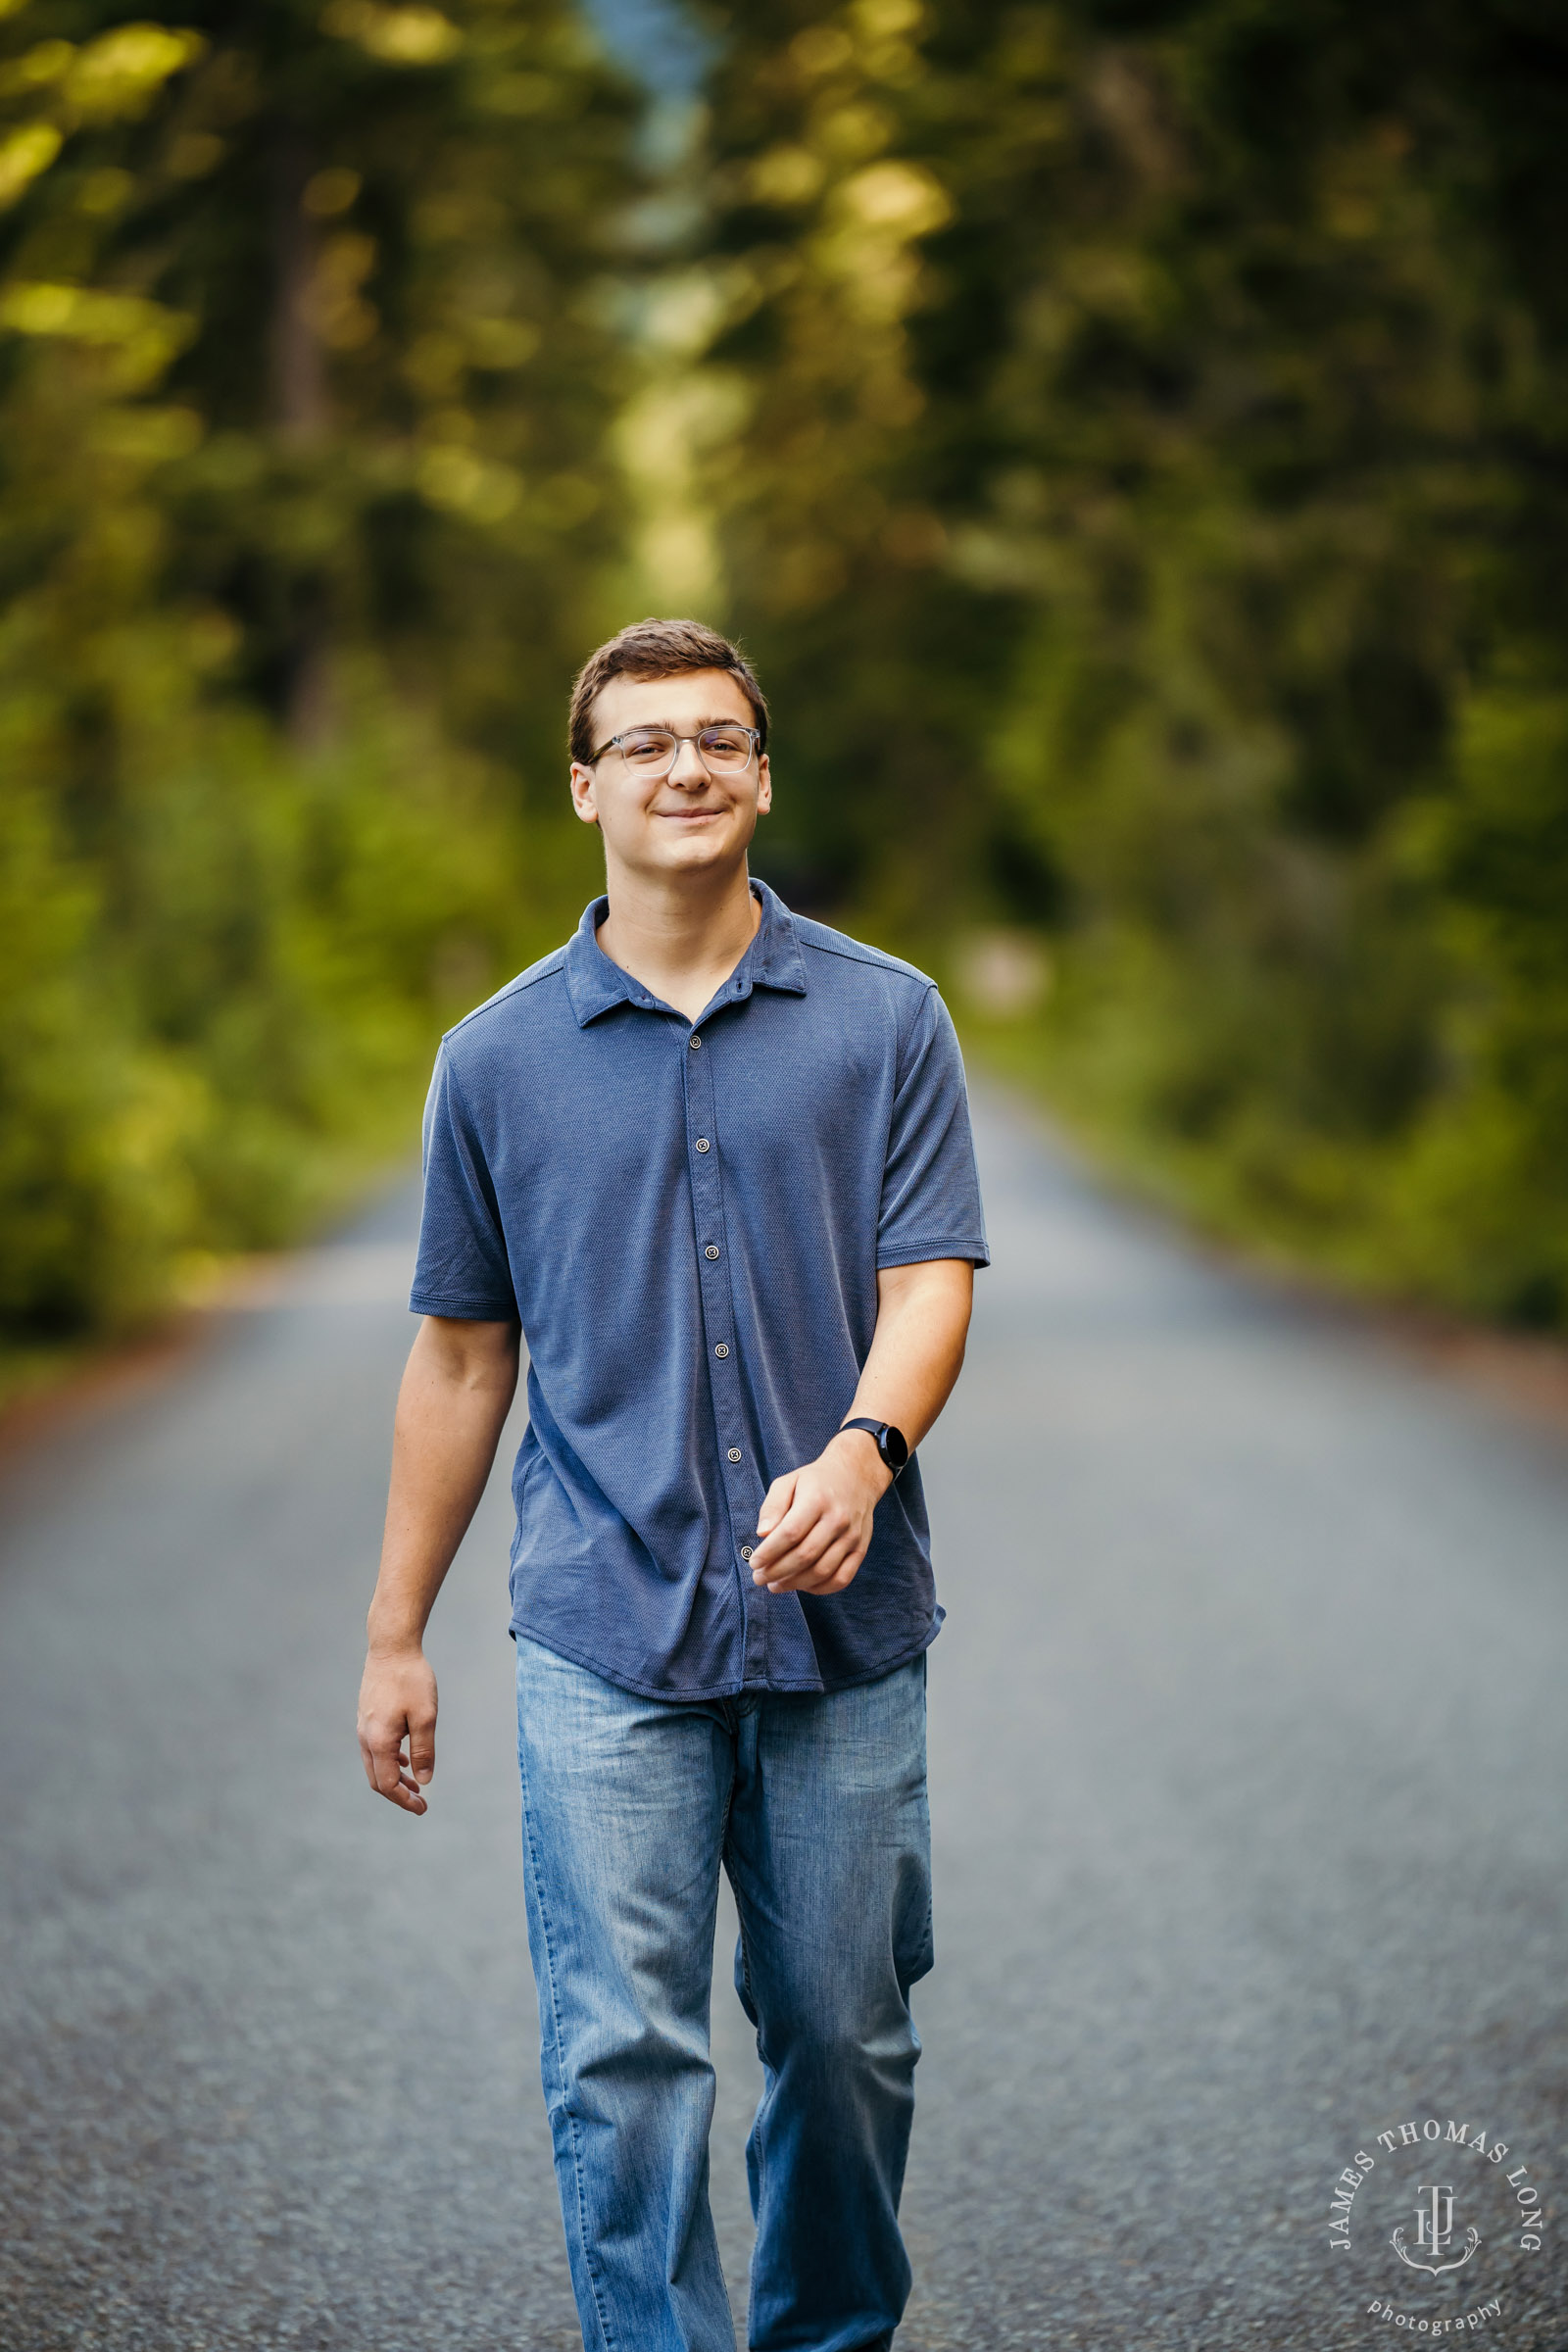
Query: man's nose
(687, 766)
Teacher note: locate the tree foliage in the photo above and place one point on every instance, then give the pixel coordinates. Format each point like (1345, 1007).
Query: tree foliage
(305, 374)
(1127, 432)
(1151, 497)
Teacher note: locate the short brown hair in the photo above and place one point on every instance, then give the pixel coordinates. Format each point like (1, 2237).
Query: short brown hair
(658, 649)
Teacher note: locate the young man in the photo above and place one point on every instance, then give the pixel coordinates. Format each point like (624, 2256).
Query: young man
(713, 1162)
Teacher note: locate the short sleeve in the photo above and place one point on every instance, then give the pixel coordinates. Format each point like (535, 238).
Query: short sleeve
(930, 1187)
(461, 1270)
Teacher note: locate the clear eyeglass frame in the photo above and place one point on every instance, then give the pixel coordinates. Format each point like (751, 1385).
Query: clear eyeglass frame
(712, 748)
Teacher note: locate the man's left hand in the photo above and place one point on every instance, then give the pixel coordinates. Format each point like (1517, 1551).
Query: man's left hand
(815, 1522)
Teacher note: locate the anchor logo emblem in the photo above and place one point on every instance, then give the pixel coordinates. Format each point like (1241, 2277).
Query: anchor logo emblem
(1433, 2233)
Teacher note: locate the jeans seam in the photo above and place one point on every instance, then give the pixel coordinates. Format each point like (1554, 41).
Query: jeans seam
(561, 2061)
(751, 1995)
(746, 1962)
(725, 1849)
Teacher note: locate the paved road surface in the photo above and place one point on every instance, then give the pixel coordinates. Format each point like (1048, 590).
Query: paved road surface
(1248, 1735)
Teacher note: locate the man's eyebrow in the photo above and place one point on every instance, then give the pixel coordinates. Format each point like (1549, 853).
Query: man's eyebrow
(726, 718)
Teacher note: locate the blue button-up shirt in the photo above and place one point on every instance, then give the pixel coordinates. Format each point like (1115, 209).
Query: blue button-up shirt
(687, 1221)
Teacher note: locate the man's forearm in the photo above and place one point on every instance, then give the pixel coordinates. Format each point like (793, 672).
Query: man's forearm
(815, 1521)
(455, 1394)
(460, 1381)
(916, 1350)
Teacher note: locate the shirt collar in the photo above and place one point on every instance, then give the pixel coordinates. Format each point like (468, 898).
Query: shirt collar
(772, 960)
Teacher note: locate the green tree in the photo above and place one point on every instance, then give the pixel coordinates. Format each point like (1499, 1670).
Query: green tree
(307, 366)
(1151, 476)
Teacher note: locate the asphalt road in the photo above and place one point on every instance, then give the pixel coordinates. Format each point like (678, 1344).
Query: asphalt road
(1249, 1736)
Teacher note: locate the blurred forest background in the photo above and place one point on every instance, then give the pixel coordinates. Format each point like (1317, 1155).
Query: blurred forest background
(1132, 439)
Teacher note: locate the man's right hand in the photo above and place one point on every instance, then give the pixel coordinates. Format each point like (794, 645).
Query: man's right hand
(397, 1724)
(456, 1389)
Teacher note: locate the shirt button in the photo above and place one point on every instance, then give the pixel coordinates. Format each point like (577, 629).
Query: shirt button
(696, 1043)
(712, 1251)
(722, 1349)
(734, 1453)
(702, 1143)
(745, 1551)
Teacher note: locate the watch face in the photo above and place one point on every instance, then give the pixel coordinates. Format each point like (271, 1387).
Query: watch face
(893, 1449)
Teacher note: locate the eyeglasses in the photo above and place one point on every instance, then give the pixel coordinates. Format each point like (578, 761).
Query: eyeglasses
(654, 751)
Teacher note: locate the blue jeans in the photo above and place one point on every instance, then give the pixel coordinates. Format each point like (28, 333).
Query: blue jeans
(816, 1805)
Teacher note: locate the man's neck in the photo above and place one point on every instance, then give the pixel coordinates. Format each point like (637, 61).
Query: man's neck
(682, 943)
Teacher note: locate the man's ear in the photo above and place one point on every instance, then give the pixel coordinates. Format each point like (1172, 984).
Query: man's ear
(765, 786)
(582, 793)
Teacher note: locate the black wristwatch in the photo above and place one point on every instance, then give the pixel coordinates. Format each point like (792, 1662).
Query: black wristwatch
(891, 1443)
